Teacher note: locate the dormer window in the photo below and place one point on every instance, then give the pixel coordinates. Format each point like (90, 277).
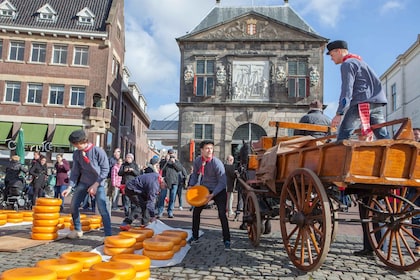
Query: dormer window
(86, 16)
(47, 13)
(7, 10)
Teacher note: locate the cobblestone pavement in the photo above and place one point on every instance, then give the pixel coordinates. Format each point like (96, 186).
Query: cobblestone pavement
(208, 259)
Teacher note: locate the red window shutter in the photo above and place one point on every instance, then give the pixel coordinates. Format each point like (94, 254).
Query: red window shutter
(195, 85)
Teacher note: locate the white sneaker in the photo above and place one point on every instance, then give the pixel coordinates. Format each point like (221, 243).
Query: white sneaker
(75, 234)
(180, 208)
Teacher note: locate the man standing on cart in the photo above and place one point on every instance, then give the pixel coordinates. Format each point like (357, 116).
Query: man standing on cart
(361, 104)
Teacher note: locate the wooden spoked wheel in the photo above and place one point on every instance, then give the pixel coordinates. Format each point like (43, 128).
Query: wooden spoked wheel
(252, 218)
(394, 228)
(305, 219)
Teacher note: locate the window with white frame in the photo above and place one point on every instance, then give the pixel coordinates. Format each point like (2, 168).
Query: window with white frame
(77, 96)
(17, 51)
(81, 56)
(203, 131)
(56, 96)
(204, 79)
(59, 54)
(47, 13)
(39, 51)
(7, 10)
(297, 79)
(34, 93)
(394, 97)
(12, 92)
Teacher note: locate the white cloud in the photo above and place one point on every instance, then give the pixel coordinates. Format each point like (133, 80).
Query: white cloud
(390, 6)
(164, 112)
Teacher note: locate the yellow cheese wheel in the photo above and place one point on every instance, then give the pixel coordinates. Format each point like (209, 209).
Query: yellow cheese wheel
(48, 201)
(124, 270)
(61, 226)
(45, 209)
(175, 239)
(87, 258)
(182, 233)
(84, 222)
(94, 275)
(119, 241)
(95, 219)
(155, 244)
(112, 251)
(44, 229)
(148, 231)
(138, 245)
(15, 221)
(85, 228)
(3, 216)
(45, 223)
(176, 248)
(143, 275)
(63, 267)
(29, 273)
(27, 213)
(95, 226)
(159, 255)
(137, 235)
(183, 242)
(28, 219)
(44, 236)
(83, 216)
(67, 218)
(15, 215)
(46, 216)
(139, 262)
(197, 195)
(3, 222)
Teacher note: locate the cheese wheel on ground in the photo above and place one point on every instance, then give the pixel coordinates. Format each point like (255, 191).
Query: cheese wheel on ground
(15, 215)
(137, 235)
(3, 216)
(67, 218)
(143, 275)
(45, 223)
(148, 231)
(158, 255)
(87, 258)
(47, 201)
(44, 236)
(138, 245)
(45, 209)
(175, 239)
(112, 251)
(183, 242)
(181, 233)
(139, 262)
(27, 213)
(119, 241)
(46, 216)
(94, 275)
(124, 270)
(29, 273)
(63, 267)
(85, 228)
(176, 248)
(155, 244)
(95, 219)
(44, 229)
(15, 221)
(3, 222)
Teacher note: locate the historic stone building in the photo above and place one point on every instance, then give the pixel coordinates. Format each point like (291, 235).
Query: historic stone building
(242, 67)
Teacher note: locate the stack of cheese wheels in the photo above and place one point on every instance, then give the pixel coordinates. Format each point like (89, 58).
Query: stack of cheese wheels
(3, 218)
(138, 236)
(29, 273)
(63, 267)
(86, 258)
(176, 239)
(158, 248)
(27, 215)
(14, 217)
(124, 270)
(119, 244)
(94, 275)
(46, 213)
(67, 220)
(148, 231)
(177, 232)
(61, 224)
(95, 221)
(141, 264)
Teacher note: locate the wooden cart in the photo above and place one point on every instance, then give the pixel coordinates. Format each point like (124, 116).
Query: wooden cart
(296, 178)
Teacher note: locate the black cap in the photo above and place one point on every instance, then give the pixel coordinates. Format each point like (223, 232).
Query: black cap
(171, 151)
(206, 142)
(339, 44)
(77, 136)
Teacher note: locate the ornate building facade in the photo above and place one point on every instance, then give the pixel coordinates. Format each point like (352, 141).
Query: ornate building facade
(241, 68)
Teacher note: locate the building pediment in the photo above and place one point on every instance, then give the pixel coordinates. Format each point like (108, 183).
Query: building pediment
(252, 27)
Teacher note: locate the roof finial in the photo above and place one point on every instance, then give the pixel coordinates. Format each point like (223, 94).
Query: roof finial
(217, 2)
(286, 2)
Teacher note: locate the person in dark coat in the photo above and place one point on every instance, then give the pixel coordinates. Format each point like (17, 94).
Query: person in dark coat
(128, 170)
(15, 177)
(62, 168)
(230, 183)
(315, 115)
(38, 172)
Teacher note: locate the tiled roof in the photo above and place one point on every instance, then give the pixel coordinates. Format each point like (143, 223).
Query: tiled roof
(284, 14)
(66, 14)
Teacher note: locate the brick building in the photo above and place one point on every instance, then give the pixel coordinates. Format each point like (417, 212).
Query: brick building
(242, 67)
(61, 69)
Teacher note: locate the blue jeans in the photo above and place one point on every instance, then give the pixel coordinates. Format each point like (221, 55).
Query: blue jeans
(351, 122)
(79, 195)
(58, 190)
(161, 202)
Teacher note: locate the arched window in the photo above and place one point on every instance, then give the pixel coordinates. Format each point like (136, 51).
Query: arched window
(97, 100)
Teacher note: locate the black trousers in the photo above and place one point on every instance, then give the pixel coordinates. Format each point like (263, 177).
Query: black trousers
(139, 209)
(220, 200)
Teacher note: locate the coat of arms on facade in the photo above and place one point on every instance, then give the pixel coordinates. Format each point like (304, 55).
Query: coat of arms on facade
(221, 75)
(251, 27)
(314, 76)
(188, 74)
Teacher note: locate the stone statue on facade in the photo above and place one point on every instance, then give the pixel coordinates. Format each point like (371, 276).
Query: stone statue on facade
(280, 75)
(221, 75)
(314, 76)
(188, 74)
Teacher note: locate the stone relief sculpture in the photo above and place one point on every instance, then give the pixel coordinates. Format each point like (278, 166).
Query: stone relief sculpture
(314, 76)
(188, 74)
(221, 75)
(250, 80)
(280, 75)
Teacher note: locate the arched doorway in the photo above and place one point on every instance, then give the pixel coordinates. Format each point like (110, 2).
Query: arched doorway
(248, 132)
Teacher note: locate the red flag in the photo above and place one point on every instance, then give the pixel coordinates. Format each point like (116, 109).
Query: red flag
(195, 85)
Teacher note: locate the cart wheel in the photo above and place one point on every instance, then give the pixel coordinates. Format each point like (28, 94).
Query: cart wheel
(394, 227)
(334, 220)
(252, 218)
(305, 219)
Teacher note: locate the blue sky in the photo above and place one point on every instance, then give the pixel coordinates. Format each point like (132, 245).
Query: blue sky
(377, 30)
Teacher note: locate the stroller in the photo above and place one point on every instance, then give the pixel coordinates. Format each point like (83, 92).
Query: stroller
(15, 195)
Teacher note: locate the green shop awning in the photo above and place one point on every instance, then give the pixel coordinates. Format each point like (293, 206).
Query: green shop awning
(5, 128)
(61, 135)
(34, 133)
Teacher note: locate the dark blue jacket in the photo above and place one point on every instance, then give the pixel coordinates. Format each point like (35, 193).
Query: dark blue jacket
(147, 186)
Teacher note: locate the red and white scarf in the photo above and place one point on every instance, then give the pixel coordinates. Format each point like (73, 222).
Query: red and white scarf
(87, 149)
